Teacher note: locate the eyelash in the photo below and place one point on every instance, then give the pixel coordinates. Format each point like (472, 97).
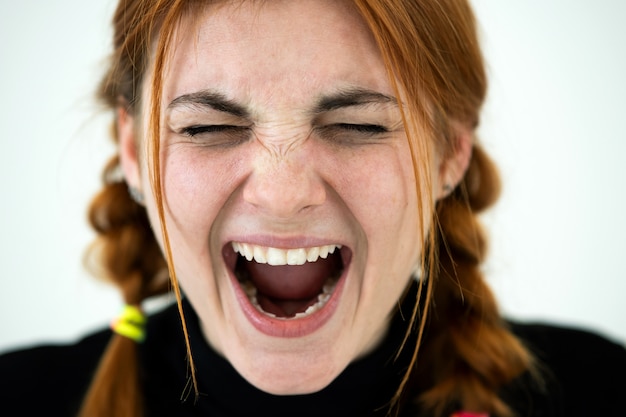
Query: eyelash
(352, 133)
(362, 128)
(217, 135)
(193, 131)
(229, 135)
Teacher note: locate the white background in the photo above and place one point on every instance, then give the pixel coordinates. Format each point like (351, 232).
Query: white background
(554, 122)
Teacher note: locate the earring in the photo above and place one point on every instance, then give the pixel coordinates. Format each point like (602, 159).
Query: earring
(136, 195)
(418, 273)
(447, 188)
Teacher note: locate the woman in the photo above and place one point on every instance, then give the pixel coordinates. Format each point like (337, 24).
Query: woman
(310, 174)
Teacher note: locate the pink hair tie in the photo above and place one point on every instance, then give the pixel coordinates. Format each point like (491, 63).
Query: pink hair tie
(468, 414)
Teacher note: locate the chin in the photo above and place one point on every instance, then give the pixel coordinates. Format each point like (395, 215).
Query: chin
(282, 376)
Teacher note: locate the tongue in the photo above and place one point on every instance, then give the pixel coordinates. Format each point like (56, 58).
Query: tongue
(289, 289)
(284, 308)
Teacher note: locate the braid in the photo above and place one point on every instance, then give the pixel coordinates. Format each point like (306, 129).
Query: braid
(125, 253)
(126, 250)
(469, 353)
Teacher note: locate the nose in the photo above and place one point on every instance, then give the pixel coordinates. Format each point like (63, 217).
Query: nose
(285, 187)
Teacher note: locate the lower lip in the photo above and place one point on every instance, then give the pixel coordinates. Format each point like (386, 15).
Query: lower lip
(293, 327)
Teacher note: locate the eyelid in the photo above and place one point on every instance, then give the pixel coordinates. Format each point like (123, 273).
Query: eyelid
(371, 128)
(195, 130)
(215, 136)
(363, 129)
(353, 134)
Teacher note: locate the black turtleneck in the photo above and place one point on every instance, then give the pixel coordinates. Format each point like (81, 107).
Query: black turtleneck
(583, 375)
(363, 389)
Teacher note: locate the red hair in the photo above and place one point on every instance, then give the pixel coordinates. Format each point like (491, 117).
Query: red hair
(432, 54)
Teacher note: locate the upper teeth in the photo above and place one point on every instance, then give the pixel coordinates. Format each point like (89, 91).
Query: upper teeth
(275, 256)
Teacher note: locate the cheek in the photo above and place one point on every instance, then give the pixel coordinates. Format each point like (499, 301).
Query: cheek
(378, 185)
(196, 187)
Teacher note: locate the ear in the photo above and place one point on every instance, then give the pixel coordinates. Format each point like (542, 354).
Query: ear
(455, 163)
(125, 125)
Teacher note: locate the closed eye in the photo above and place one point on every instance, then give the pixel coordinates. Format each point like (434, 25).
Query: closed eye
(353, 134)
(207, 129)
(219, 136)
(362, 128)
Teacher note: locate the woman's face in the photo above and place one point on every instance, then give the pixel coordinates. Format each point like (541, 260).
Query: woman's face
(282, 143)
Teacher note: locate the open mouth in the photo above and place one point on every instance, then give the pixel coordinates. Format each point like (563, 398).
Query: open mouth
(289, 283)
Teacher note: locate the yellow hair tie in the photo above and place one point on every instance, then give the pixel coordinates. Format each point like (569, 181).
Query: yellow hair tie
(131, 324)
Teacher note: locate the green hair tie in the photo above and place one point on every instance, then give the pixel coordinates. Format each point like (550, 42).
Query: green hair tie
(131, 324)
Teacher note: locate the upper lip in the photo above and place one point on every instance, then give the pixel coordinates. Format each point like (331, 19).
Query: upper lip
(273, 241)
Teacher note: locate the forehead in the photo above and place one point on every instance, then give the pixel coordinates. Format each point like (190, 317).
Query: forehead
(277, 48)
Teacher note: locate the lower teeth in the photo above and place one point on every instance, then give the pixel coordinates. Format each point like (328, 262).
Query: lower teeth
(322, 299)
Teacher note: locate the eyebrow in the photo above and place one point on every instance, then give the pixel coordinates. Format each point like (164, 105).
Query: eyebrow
(344, 98)
(352, 97)
(210, 99)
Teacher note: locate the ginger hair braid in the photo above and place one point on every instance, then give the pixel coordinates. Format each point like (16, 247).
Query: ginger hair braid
(469, 353)
(127, 255)
(125, 251)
